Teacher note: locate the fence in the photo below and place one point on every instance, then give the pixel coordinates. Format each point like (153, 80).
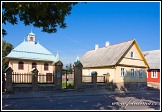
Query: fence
(45, 78)
(88, 79)
(26, 78)
(100, 79)
(23, 78)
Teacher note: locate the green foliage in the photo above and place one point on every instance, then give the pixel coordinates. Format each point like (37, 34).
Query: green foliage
(46, 15)
(63, 72)
(70, 85)
(6, 49)
(69, 68)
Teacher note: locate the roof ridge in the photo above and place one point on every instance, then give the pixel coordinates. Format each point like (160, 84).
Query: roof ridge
(121, 42)
(112, 45)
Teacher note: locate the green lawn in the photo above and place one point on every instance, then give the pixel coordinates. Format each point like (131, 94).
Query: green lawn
(70, 85)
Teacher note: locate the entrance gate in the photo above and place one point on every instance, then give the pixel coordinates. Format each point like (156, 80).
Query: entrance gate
(67, 79)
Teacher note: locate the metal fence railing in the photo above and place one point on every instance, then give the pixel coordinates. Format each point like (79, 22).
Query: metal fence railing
(46, 78)
(21, 78)
(88, 79)
(100, 79)
(26, 78)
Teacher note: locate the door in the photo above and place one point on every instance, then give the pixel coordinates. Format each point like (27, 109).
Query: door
(49, 77)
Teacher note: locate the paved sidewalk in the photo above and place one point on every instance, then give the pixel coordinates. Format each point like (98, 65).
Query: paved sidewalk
(65, 93)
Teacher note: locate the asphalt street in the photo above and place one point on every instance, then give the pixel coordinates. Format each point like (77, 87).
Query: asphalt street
(127, 101)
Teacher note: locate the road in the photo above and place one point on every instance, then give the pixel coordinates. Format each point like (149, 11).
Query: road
(141, 101)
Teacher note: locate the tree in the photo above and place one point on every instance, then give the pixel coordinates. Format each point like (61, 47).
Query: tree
(69, 68)
(46, 15)
(6, 49)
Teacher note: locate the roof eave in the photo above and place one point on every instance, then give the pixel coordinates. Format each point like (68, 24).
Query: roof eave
(99, 66)
(9, 58)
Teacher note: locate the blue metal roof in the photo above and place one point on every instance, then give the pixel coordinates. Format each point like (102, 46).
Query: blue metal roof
(31, 51)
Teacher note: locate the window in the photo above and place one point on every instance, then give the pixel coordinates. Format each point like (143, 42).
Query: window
(31, 38)
(132, 73)
(34, 65)
(122, 72)
(132, 54)
(88, 72)
(140, 73)
(21, 65)
(45, 66)
(154, 74)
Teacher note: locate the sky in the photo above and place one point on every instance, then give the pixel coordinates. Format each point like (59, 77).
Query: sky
(95, 23)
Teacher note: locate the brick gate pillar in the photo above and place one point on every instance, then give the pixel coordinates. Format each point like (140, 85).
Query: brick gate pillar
(107, 78)
(58, 75)
(94, 78)
(77, 74)
(9, 86)
(34, 79)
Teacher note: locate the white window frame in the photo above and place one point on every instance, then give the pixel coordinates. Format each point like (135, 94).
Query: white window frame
(154, 74)
(122, 72)
(141, 73)
(132, 73)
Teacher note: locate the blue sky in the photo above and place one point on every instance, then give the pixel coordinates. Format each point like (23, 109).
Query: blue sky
(95, 23)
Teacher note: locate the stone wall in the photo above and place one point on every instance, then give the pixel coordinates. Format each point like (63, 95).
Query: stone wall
(28, 87)
(154, 84)
(131, 86)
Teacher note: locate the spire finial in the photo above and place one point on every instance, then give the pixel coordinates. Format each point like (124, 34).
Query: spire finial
(24, 39)
(77, 59)
(57, 57)
(31, 31)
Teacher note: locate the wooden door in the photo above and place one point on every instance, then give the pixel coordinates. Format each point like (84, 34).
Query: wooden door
(49, 77)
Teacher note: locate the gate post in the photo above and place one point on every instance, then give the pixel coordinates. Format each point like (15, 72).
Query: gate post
(58, 75)
(94, 78)
(3, 82)
(107, 76)
(9, 86)
(34, 79)
(77, 74)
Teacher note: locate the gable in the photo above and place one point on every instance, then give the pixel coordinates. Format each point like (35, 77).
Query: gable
(137, 60)
(105, 56)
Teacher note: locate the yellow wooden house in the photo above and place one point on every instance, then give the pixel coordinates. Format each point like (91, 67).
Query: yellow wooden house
(124, 62)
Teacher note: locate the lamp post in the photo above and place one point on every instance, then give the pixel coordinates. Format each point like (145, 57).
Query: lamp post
(66, 75)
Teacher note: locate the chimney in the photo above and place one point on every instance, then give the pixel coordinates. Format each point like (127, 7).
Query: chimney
(96, 46)
(107, 44)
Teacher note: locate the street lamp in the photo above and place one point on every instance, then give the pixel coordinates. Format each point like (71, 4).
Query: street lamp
(66, 75)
